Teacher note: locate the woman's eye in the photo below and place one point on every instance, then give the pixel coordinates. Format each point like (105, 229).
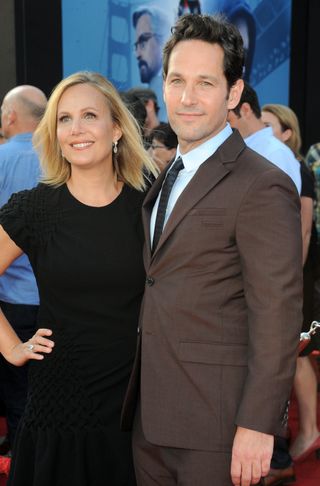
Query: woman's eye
(63, 118)
(89, 116)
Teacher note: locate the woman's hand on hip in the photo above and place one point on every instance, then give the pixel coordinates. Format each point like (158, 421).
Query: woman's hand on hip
(36, 348)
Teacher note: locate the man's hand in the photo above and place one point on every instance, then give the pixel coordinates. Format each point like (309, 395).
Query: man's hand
(251, 456)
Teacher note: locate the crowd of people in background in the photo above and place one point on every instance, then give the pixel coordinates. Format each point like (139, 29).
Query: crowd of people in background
(230, 226)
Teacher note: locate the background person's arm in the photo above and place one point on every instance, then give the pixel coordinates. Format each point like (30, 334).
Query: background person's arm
(306, 224)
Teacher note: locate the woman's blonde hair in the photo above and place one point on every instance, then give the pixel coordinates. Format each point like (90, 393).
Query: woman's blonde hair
(131, 163)
(288, 120)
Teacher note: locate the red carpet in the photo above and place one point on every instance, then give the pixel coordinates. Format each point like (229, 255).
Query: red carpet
(307, 473)
(3, 430)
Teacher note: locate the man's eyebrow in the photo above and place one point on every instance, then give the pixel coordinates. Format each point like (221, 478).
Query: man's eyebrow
(209, 77)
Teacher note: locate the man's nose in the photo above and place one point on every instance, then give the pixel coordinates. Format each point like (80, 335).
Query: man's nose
(188, 96)
(138, 51)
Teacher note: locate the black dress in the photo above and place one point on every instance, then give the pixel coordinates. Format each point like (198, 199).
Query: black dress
(88, 265)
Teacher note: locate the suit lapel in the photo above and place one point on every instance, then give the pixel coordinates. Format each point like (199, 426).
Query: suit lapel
(209, 174)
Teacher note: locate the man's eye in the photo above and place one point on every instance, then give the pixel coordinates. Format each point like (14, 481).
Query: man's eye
(176, 81)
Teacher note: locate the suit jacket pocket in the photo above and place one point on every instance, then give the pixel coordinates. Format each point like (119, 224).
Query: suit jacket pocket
(213, 353)
(209, 217)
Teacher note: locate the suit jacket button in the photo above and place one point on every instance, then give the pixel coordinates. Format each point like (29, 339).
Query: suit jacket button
(149, 281)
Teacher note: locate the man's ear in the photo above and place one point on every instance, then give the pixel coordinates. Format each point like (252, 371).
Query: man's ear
(245, 110)
(149, 106)
(235, 94)
(11, 117)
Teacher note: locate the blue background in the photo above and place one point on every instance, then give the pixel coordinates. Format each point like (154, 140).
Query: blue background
(98, 35)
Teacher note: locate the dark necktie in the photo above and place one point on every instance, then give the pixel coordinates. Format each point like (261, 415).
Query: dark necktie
(165, 193)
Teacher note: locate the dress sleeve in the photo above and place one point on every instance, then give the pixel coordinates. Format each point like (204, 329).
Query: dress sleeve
(15, 219)
(308, 182)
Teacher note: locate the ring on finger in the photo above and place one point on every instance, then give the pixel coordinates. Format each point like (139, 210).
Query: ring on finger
(30, 347)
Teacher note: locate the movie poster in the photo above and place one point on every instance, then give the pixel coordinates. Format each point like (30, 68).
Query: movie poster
(123, 39)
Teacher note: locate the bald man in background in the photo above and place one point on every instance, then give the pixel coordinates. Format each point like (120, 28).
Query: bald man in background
(21, 111)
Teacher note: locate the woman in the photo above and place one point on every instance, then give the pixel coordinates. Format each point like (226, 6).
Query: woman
(82, 232)
(163, 145)
(286, 127)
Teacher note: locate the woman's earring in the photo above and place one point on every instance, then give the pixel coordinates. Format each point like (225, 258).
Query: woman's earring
(115, 148)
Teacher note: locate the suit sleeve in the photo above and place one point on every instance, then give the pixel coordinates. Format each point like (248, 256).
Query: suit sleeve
(268, 233)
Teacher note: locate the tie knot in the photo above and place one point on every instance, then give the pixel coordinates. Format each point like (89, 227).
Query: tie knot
(178, 165)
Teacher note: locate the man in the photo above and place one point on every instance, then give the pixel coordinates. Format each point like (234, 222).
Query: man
(246, 117)
(163, 146)
(21, 111)
(150, 101)
(223, 282)
(152, 27)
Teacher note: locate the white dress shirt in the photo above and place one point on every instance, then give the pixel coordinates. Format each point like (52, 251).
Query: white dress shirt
(191, 161)
(266, 144)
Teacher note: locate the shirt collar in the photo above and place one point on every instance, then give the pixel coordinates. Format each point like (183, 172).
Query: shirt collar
(193, 159)
(263, 132)
(21, 137)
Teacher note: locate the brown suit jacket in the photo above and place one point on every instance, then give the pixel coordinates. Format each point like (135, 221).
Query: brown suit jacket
(221, 315)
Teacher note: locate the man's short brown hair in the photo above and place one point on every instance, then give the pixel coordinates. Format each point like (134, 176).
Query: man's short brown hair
(214, 29)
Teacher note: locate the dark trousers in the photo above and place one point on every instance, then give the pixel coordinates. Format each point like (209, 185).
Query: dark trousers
(13, 379)
(281, 458)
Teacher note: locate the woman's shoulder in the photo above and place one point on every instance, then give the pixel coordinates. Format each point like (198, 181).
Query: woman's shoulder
(32, 197)
(136, 194)
(26, 217)
(46, 191)
(36, 204)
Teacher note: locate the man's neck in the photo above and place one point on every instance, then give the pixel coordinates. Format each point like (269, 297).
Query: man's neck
(14, 133)
(254, 126)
